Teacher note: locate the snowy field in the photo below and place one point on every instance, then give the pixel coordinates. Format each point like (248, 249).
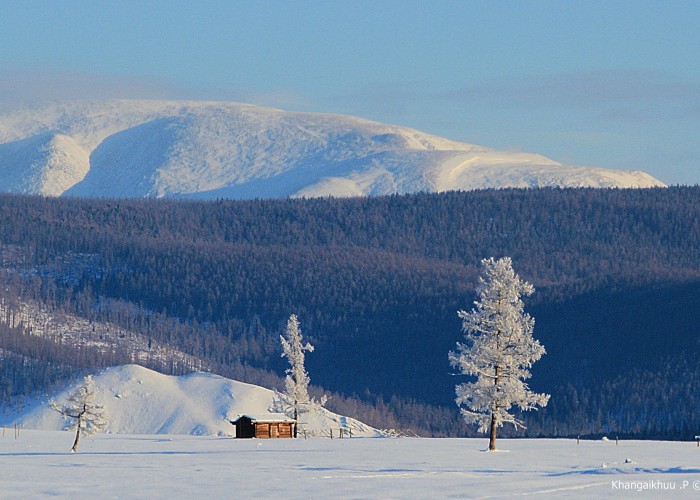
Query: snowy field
(37, 465)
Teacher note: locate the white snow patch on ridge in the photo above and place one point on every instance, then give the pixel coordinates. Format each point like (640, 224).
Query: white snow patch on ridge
(141, 401)
(127, 148)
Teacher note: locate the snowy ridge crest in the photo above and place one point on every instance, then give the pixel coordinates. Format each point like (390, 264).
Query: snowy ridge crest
(208, 150)
(141, 401)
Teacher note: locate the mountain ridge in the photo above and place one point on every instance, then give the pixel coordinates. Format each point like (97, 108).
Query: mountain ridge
(208, 150)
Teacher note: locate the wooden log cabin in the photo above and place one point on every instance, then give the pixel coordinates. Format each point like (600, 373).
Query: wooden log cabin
(265, 426)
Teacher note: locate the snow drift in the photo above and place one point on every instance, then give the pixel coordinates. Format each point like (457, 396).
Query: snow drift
(141, 401)
(131, 148)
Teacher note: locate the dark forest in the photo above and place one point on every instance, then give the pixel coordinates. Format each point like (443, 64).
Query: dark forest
(377, 283)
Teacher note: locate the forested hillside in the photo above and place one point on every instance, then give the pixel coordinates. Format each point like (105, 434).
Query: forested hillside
(376, 283)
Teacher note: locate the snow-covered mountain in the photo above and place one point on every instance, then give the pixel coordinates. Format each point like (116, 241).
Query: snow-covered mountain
(131, 148)
(141, 401)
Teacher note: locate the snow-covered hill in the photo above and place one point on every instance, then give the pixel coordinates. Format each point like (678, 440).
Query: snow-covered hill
(141, 401)
(122, 148)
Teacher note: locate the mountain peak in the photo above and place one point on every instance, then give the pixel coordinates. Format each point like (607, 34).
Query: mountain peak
(139, 148)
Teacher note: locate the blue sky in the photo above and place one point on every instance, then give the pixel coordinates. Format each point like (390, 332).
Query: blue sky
(605, 83)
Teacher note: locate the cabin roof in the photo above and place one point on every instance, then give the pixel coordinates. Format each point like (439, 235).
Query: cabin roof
(265, 418)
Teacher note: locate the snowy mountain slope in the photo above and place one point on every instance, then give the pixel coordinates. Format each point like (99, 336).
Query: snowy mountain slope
(46, 164)
(209, 150)
(141, 401)
(105, 337)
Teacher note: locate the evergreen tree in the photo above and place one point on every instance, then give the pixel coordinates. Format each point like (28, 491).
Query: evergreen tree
(297, 380)
(499, 351)
(88, 416)
(296, 400)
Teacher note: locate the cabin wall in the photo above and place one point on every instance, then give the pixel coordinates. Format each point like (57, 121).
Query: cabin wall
(285, 430)
(273, 430)
(262, 430)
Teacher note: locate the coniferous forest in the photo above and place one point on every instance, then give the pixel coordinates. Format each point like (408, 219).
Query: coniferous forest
(376, 284)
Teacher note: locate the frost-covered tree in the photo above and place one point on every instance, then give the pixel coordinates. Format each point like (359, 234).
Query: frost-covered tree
(296, 398)
(87, 416)
(499, 351)
(297, 380)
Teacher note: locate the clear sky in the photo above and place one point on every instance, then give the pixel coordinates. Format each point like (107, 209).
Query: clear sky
(610, 83)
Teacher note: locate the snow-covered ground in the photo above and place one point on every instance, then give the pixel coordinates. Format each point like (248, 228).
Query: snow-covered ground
(38, 465)
(169, 437)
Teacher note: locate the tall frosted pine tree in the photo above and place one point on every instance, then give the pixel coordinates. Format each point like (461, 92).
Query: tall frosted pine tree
(297, 381)
(499, 351)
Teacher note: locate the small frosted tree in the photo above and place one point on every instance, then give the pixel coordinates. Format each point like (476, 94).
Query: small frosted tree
(88, 417)
(296, 399)
(499, 351)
